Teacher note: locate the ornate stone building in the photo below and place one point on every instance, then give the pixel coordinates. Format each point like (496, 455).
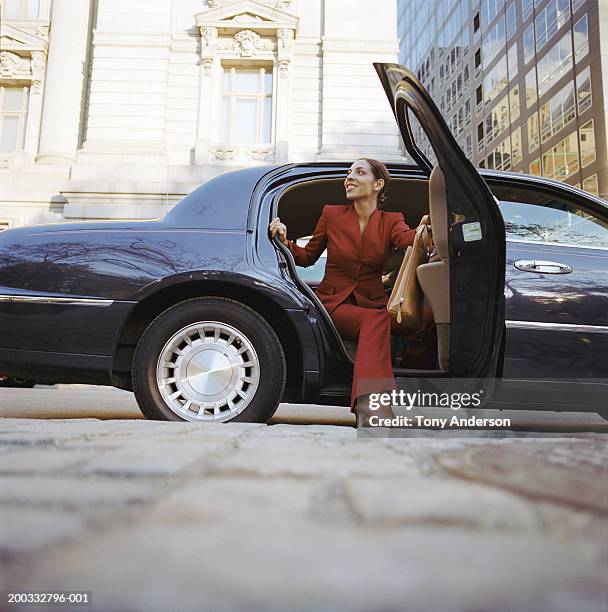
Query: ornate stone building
(113, 109)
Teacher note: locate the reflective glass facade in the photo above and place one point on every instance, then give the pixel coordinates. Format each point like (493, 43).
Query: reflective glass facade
(518, 82)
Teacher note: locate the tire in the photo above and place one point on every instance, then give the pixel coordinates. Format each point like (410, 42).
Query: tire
(209, 359)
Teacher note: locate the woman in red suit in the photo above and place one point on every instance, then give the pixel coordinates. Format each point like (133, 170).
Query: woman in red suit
(358, 237)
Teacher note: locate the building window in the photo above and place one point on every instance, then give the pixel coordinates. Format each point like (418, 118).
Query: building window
(500, 157)
(531, 89)
(587, 140)
(535, 167)
(246, 106)
(583, 90)
(561, 161)
(526, 9)
(480, 134)
(497, 120)
(516, 149)
(477, 58)
(557, 112)
(20, 9)
(555, 63)
(576, 4)
(478, 95)
(511, 20)
(495, 80)
(514, 103)
(489, 10)
(590, 185)
(533, 136)
(13, 118)
(529, 43)
(493, 42)
(549, 20)
(464, 39)
(581, 38)
(512, 65)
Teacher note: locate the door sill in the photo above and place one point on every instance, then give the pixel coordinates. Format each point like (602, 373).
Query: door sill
(415, 373)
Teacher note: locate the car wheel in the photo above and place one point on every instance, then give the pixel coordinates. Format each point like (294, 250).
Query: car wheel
(209, 359)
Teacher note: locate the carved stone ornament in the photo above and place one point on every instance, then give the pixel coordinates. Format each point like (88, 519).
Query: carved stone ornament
(285, 37)
(247, 42)
(225, 44)
(43, 32)
(13, 65)
(260, 154)
(224, 153)
(38, 63)
(209, 37)
(207, 65)
(283, 68)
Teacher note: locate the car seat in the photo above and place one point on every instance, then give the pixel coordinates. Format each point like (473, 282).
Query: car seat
(434, 276)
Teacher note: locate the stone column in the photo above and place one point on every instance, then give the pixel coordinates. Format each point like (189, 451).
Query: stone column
(34, 112)
(208, 53)
(285, 43)
(64, 81)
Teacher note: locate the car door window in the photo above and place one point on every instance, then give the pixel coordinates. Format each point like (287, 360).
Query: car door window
(557, 223)
(312, 274)
(421, 140)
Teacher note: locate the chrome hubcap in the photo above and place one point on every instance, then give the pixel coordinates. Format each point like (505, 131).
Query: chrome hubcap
(208, 371)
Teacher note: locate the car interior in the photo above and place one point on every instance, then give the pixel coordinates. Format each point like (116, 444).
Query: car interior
(300, 207)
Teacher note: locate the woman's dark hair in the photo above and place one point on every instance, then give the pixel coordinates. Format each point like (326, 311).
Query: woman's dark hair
(380, 172)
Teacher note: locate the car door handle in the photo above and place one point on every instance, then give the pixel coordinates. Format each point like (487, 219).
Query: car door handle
(542, 267)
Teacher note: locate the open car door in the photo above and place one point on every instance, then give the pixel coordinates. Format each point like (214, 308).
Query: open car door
(465, 282)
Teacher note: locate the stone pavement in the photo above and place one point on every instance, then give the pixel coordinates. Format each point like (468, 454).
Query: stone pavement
(178, 516)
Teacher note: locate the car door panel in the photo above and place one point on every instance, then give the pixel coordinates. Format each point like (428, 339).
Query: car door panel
(557, 324)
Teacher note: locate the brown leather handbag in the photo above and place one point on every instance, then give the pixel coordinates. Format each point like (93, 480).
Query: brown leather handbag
(406, 300)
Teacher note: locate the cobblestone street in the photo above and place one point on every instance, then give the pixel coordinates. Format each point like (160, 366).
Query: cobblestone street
(160, 516)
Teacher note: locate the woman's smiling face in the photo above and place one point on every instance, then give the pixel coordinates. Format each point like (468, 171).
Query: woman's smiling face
(360, 181)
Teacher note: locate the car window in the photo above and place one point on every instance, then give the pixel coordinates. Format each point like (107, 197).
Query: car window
(558, 222)
(314, 273)
(420, 138)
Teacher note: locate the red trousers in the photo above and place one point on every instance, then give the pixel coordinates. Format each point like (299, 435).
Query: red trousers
(371, 328)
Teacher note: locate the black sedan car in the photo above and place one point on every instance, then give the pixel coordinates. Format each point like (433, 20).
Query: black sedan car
(206, 318)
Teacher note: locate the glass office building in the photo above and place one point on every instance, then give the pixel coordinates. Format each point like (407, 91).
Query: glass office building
(519, 82)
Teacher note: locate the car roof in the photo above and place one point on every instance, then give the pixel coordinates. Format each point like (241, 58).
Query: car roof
(528, 180)
(223, 201)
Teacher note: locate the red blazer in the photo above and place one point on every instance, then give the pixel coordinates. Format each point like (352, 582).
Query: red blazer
(355, 261)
